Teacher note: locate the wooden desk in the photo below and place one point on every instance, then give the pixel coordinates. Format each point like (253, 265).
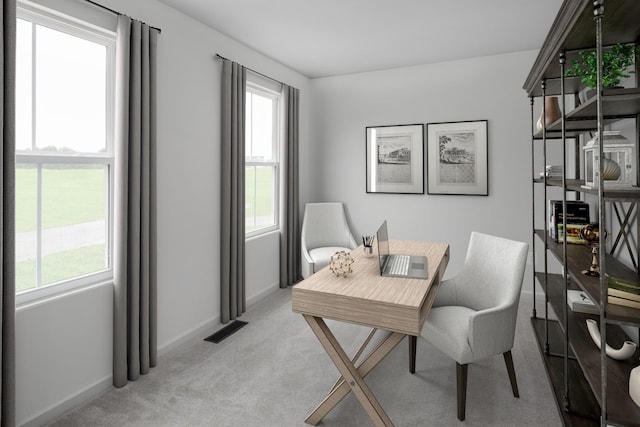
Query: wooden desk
(397, 305)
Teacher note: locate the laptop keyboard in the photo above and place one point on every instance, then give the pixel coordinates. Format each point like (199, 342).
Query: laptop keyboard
(399, 264)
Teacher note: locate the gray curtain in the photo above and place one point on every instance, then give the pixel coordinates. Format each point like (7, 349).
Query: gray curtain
(290, 271)
(232, 216)
(135, 300)
(7, 210)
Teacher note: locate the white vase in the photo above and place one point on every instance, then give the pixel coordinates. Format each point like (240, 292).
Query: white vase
(624, 352)
(634, 385)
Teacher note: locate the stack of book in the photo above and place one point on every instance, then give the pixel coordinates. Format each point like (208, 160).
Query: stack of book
(623, 292)
(577, 217)
(552, 172)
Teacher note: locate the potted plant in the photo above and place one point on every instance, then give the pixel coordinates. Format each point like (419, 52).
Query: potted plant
(615, 66)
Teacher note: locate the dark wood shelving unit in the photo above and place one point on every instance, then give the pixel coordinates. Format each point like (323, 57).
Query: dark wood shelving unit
(576, 368)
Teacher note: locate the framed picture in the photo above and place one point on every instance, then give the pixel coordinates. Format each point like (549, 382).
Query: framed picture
(457, 158)
(395, 159)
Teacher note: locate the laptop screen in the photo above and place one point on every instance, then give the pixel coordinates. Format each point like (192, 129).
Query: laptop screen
(383, 244)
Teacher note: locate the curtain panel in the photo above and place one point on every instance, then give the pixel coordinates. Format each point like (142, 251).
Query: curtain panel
(7, 210)
(232, 223)
(290, 270)
(232, 226)
(135, 281)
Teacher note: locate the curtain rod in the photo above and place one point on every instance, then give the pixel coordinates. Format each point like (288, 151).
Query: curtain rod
(115, 12)
(253, 71)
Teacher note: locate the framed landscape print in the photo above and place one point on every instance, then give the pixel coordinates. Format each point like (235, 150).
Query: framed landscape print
(395, 159)
(457, 158)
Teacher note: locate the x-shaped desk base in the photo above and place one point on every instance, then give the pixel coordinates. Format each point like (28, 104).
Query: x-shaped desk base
(352, 378)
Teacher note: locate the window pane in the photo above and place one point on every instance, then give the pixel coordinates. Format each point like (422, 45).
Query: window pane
(261, 128)
(259, 196)
(70, 92)
(73, 222)
(74, 241)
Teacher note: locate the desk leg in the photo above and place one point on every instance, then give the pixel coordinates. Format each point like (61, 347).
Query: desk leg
(352, 377)
(413, 341)
(341, 388)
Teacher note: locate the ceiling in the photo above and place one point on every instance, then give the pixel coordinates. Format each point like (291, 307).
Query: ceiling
(321, 38)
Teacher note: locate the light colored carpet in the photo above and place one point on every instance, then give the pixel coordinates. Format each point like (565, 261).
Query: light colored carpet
(273, 372)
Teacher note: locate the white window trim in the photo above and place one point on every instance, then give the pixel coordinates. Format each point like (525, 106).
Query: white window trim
(271, 89)
(52, 19)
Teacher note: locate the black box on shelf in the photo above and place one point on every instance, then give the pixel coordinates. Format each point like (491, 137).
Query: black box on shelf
(577, 215)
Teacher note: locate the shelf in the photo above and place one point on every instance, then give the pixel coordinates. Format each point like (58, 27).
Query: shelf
(584, 410)
(581, 347)
(555, 289)
(578, 259)
(611, 194)
(617, 104)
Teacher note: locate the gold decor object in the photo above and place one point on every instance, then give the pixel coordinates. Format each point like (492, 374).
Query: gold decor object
(340, 264)
(590, 233)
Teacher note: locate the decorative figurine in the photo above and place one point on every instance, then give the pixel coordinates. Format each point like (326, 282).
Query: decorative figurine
(591, 234)
(340, 263)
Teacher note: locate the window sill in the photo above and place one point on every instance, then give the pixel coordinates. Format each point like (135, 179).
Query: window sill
(41, 296)
(263, 233)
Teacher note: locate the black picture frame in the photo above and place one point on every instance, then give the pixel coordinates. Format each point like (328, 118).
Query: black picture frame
(457, 158)
(395, 159)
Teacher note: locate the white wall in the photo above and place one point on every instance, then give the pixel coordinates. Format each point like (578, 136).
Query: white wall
(486, 88)
(64, 344)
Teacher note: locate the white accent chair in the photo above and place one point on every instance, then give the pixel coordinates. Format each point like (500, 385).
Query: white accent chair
(474, 314)
(324, 232)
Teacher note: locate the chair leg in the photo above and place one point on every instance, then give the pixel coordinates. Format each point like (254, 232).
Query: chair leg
(512, 373)
(413, 340)
(461, 379)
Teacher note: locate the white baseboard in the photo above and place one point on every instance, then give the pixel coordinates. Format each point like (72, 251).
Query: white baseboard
(251, 300)
(206, 328)
(65, 405)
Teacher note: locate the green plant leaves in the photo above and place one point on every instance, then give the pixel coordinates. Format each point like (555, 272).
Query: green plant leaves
(615, 64)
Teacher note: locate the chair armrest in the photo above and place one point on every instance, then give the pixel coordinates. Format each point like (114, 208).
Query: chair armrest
(492, 331)
(447, 294)
(307, 266)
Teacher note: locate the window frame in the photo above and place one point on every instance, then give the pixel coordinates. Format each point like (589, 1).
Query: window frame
(78, 28)
(267, 88)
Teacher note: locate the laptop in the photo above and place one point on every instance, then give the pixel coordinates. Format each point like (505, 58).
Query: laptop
(395, 265)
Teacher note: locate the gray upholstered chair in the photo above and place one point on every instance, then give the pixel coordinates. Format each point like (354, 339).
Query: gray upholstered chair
(474, 313)
(324, 232)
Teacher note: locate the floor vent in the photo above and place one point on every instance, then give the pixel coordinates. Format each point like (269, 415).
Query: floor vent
(228, 330)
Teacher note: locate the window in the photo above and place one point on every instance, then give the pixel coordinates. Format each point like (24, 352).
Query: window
(64, 152)
(262, 135)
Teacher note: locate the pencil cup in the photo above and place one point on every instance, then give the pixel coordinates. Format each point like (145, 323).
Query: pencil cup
(368, 251)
